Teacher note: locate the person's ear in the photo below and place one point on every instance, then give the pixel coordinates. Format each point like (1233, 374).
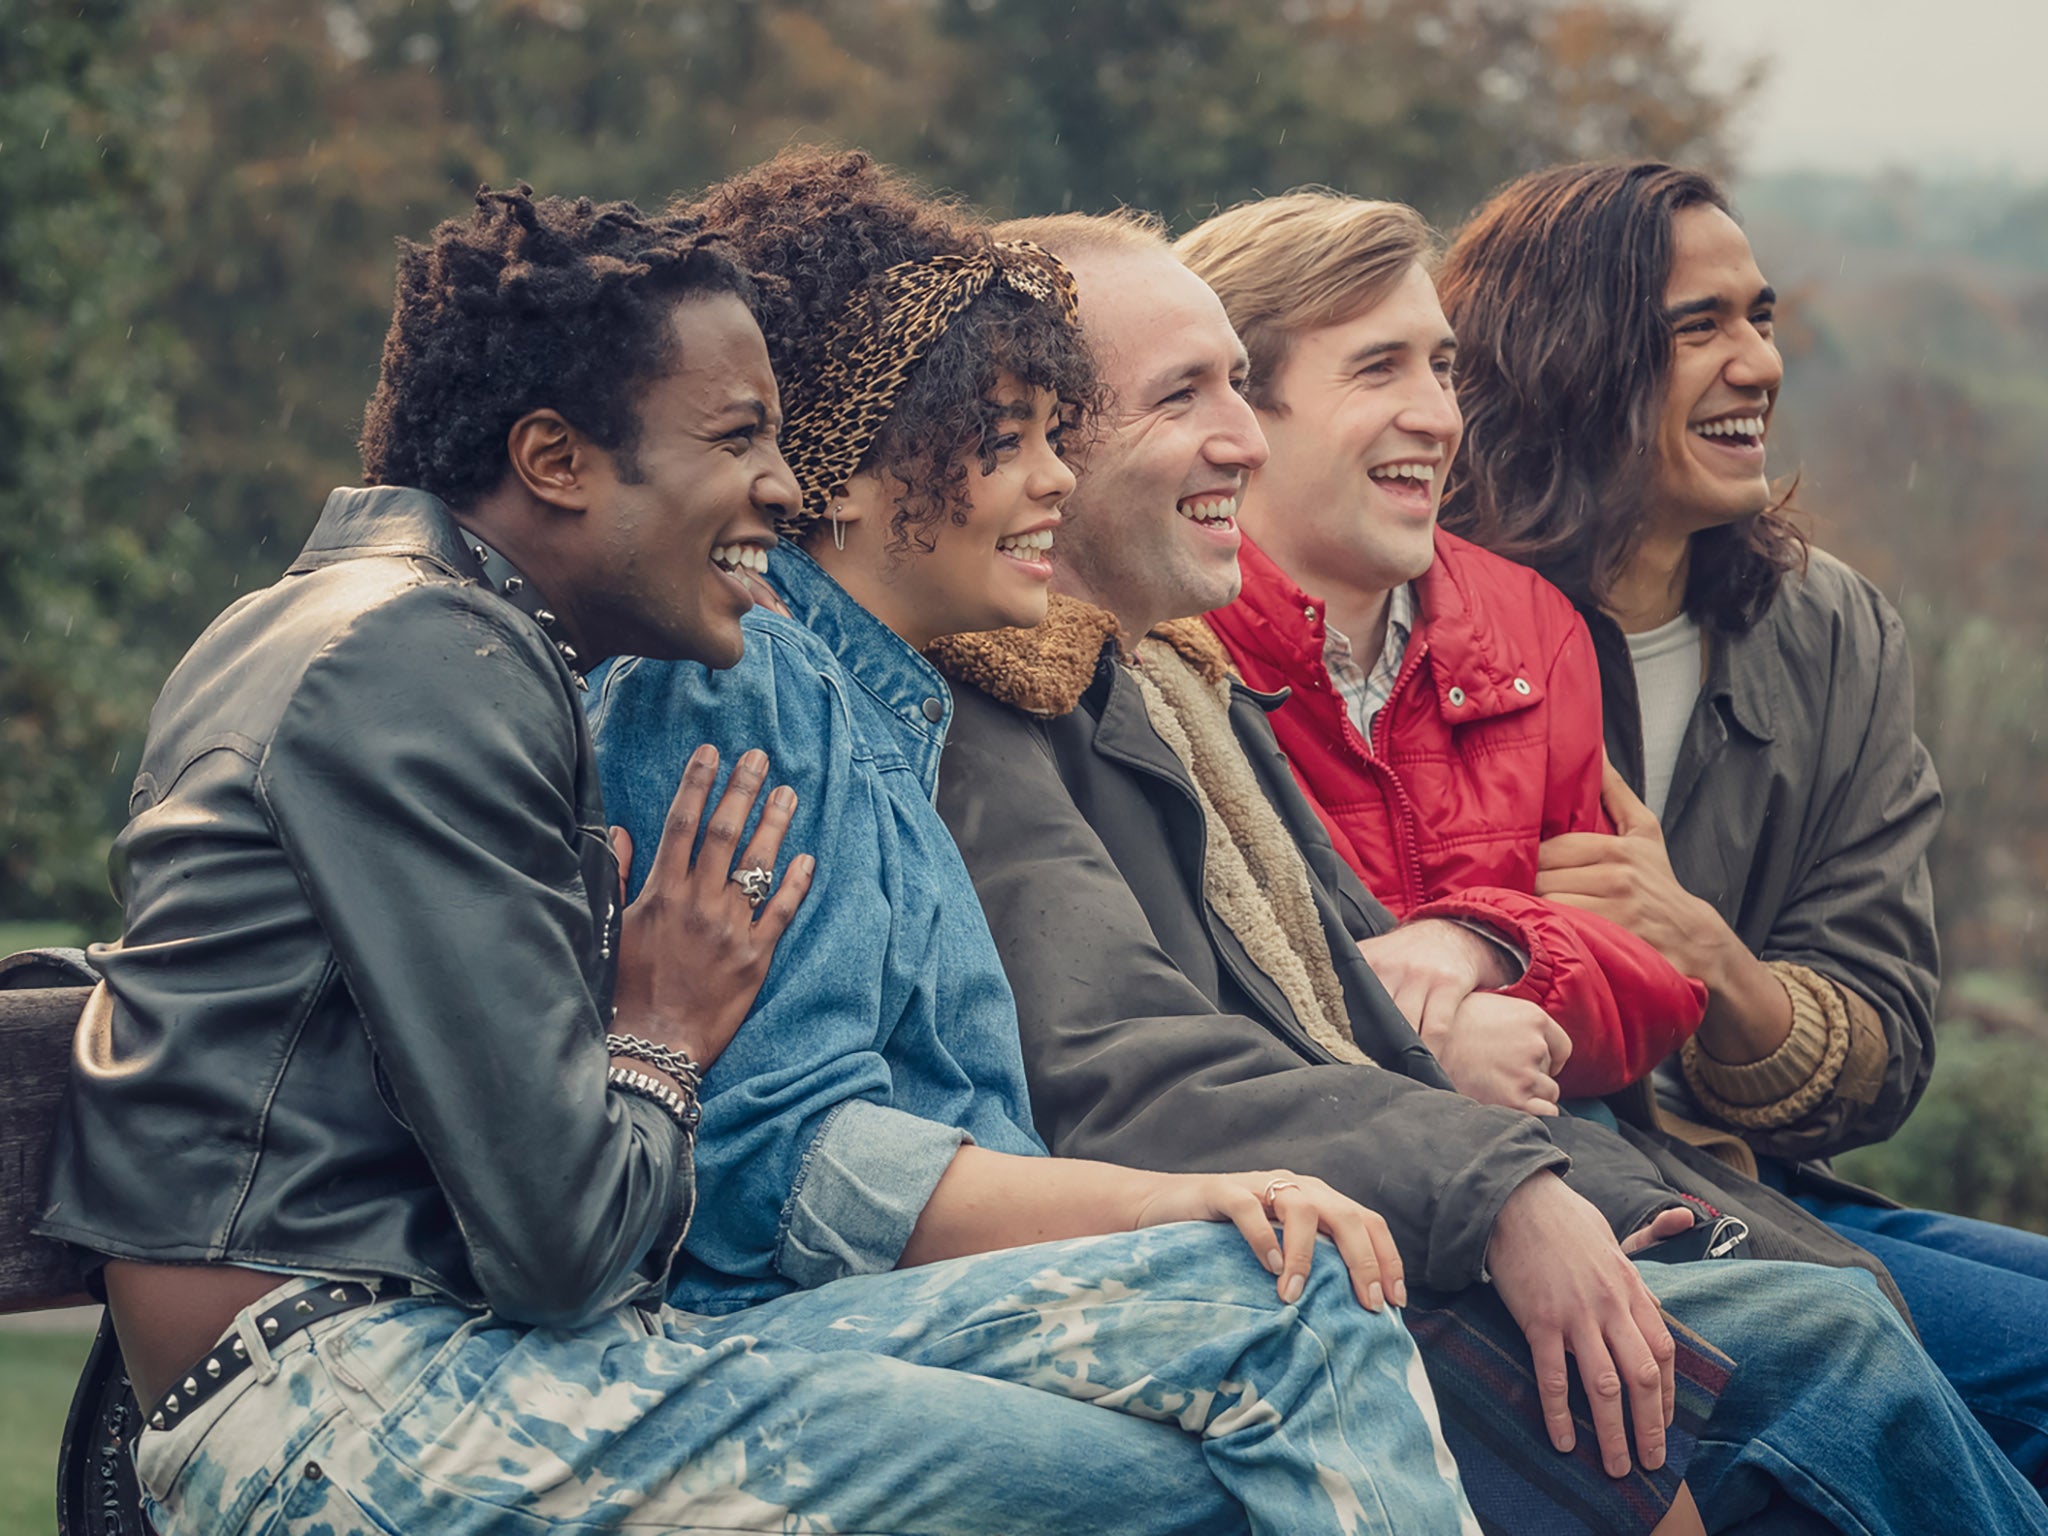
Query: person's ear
(860, 499)
(551, 459)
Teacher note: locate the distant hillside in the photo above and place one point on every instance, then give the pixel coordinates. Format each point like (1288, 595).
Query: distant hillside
(1997, 222)
(1914, 322)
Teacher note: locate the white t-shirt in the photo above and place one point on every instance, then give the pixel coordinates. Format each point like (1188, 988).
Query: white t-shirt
(1667, 663)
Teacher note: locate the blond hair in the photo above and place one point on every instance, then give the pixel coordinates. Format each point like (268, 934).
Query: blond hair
(1071, 235)
(1298, 262)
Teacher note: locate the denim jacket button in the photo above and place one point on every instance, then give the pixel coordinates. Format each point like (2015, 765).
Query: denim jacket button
(934, 711)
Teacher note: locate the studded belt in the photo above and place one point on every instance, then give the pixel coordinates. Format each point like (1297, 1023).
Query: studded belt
(229, 1358)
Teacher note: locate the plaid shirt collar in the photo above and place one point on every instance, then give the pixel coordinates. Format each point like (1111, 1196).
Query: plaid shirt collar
(1365, 692)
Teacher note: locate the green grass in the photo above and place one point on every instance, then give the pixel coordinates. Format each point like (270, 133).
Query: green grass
(37, 1373)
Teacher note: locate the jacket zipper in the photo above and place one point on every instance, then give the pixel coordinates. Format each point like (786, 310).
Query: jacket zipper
(1368, 752)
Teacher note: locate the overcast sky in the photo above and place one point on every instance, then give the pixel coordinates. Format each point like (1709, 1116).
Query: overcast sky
(1858, 85)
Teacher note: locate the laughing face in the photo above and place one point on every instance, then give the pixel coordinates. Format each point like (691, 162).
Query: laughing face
(1153, 534)
(990, 566)
(680, 523)
(1723, 380)
(1363, 426)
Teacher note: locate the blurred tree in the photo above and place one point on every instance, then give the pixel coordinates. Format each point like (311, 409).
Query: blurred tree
(1182, 105)
(1979, 1139)
(228, 178)
(97, 556)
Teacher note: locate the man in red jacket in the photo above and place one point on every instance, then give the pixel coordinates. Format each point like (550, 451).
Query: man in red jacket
(1444, 714)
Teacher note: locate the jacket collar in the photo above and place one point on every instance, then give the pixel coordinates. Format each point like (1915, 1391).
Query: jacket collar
(1044, 671)
(878, 658)
(1742, 673)
(386, 520)
(393, 520)
(1475, 664)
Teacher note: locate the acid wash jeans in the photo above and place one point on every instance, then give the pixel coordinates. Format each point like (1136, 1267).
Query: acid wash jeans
(846, 1409)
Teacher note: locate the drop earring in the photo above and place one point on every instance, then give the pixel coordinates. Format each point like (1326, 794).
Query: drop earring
(838, 530)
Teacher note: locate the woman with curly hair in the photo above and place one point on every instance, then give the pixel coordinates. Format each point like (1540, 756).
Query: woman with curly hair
(871, 1114)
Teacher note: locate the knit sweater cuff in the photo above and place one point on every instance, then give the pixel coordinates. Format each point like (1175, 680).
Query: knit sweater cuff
(1793, 1079)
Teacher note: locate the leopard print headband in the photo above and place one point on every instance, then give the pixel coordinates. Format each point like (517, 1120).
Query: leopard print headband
(832, 415)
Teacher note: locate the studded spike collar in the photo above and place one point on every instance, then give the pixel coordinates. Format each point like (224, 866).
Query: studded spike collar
(504, 578)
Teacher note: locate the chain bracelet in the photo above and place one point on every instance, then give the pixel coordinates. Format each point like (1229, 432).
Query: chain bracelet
(679, 1107)
(675, 1063)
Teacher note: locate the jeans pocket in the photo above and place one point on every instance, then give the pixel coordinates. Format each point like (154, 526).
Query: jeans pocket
(221, 1477)
(378, 1362)
(311, 1500)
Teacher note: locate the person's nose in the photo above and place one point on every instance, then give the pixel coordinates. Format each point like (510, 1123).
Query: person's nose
(1431, 411)
(1237, 441)
(775, 488)
(1052, 477)
(1756, 364)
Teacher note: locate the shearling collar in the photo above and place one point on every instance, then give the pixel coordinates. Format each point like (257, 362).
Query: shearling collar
(1045, 670)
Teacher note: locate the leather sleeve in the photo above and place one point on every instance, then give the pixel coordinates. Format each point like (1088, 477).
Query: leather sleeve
(420, 782)
(1131, 1063)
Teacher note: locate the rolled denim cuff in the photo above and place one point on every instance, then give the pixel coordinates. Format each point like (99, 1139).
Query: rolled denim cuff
(864, 1182)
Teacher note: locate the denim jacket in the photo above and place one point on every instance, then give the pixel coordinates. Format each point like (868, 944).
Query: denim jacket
(885, 1035)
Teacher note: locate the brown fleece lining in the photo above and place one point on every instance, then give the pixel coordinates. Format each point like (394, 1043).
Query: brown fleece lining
(1042, 671)
(1254, 878)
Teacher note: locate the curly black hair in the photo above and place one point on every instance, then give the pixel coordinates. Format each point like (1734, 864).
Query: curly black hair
(816, 228)
(530, 303)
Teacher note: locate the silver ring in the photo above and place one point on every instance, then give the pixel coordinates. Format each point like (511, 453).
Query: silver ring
(754, 884)
(1273, 1187)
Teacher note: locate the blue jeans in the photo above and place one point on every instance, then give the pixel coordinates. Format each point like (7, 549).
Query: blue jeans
(960, 1397)
(1834, 1408)
(1979, 1294)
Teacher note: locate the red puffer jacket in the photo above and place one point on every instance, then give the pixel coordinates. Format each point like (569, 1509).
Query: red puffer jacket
(1490, 743)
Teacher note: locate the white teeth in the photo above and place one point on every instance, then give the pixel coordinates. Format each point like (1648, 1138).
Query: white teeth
(1020, 543)
(1208, 511)
(739, 557)
(1426, 473)
(1732, 426)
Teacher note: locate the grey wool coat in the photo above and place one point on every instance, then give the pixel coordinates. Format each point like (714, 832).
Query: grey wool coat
(1801, 807)
(1150, 1039)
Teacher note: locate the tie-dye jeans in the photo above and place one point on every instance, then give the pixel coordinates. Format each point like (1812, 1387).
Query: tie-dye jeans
(1149, 1381)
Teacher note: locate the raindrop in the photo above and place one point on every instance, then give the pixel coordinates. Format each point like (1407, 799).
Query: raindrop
(115, 766)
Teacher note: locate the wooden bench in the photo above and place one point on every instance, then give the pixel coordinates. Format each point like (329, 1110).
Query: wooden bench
(97, 1494)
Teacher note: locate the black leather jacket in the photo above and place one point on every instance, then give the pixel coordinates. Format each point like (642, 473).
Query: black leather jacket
(354, 1025)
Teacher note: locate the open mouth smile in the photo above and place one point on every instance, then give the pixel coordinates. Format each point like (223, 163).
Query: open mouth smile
(1031, 550)
(739, 559)
(1743, 433)
(1409, 481)
(1215, 510)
